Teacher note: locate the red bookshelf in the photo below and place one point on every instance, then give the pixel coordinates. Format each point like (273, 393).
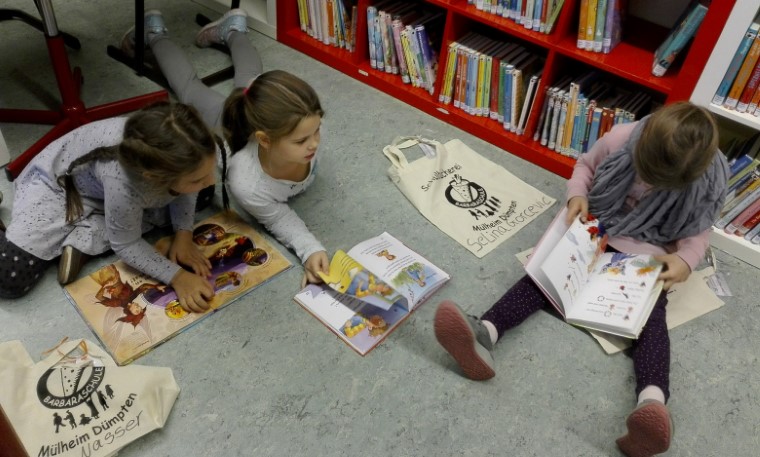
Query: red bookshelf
(630, 61)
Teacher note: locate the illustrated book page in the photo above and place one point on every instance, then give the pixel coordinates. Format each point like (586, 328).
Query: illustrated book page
(370, 290)
(132, 313)
(611, 292)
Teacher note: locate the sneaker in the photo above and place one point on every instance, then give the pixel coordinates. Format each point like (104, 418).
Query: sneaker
(70, 264)
(466, 339)
(218, 31)
(154, 25)
(649, 430)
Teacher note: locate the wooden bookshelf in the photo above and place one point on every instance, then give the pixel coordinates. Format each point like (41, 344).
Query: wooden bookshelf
(630, 61)
(716, 65)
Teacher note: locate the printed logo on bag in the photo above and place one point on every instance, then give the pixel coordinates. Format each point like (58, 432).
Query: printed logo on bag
(464, 193)
(85, 410)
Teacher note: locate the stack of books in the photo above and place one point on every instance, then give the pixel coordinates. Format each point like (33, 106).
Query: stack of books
(537, 15)
(738, 90)
(741, 213)
(403, 40)
(332, 22)
(686, 27)
(493, 79)
(600, 24)
(578, 111)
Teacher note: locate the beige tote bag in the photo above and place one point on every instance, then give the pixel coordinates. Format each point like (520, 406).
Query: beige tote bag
(78, 402)
(468, 197)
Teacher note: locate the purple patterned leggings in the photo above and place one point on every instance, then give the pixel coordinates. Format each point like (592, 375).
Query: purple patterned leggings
(651, 351)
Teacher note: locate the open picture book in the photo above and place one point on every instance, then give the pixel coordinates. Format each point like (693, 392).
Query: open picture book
(132, 313)
(611, 292)
(370, 290)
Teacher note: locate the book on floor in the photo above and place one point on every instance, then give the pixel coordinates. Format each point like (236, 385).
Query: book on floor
(131, 313)
(610, 292)
(370, 290)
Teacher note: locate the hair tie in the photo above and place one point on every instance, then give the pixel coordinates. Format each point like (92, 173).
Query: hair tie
(248, 86)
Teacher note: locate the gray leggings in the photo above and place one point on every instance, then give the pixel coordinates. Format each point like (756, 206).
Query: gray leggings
(190, 89)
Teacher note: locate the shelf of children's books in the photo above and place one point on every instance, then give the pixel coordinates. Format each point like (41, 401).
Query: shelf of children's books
(489, 20)
(736, 246)
(301, 41)
(747, 119)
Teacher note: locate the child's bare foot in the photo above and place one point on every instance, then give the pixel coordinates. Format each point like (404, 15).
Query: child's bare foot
(466, 339)
(649, 430)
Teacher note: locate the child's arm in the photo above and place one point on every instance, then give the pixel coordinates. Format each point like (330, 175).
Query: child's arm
(282, 222)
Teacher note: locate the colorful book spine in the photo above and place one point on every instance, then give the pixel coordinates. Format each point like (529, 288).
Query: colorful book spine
(753, 234)
(678, 38)
(746, 201)
(739, 163)
(749, 224)
(582, 21)
(742, 217)
(552, 18)
(601, 19)
(613, 26)
(744, 75)
(591, 23)
(736, 62)
(557, 113)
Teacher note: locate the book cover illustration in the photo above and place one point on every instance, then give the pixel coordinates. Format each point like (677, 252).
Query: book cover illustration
(132, 313)
(370, 290)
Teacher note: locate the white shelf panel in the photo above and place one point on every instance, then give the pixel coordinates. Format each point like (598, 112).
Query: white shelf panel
(736, 246)
(747, 119)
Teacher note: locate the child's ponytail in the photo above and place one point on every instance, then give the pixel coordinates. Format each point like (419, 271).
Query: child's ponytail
(237, 127)
(74, 206)
(223, 152)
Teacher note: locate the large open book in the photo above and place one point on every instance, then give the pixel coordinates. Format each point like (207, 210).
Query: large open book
(132, 313)
(611, 292)
(370, 290)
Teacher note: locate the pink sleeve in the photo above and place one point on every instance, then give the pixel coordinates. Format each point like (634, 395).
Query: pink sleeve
(583, 174)
(693, 248)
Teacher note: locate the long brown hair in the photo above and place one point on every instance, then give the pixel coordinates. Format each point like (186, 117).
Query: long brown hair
(676, 146)
(161, 143)
(274, 103)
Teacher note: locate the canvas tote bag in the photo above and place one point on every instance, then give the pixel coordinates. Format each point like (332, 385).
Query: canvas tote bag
(470, 198)
(78, 402)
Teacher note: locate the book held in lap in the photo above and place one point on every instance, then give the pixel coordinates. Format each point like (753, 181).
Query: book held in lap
(132, 313)
(611, 292)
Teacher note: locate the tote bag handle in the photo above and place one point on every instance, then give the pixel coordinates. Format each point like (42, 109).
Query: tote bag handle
(395, 154)
(91, 354)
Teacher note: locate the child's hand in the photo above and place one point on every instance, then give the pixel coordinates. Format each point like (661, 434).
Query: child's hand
(575, 206)
(315, 263)
(676, 270)
(184, 252)
(193, 291)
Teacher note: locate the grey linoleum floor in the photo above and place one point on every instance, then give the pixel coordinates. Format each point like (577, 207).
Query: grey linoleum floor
(264, 378)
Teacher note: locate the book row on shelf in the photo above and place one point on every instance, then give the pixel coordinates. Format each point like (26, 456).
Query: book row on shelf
(404, 40)
(491, 74)
(491, 78)
(537, 15)
(740, 215)
(600, 24)
(332, 22)
(738, 90)
(578, 111)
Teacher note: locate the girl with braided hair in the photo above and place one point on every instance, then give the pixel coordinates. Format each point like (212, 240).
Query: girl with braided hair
(101, 187)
